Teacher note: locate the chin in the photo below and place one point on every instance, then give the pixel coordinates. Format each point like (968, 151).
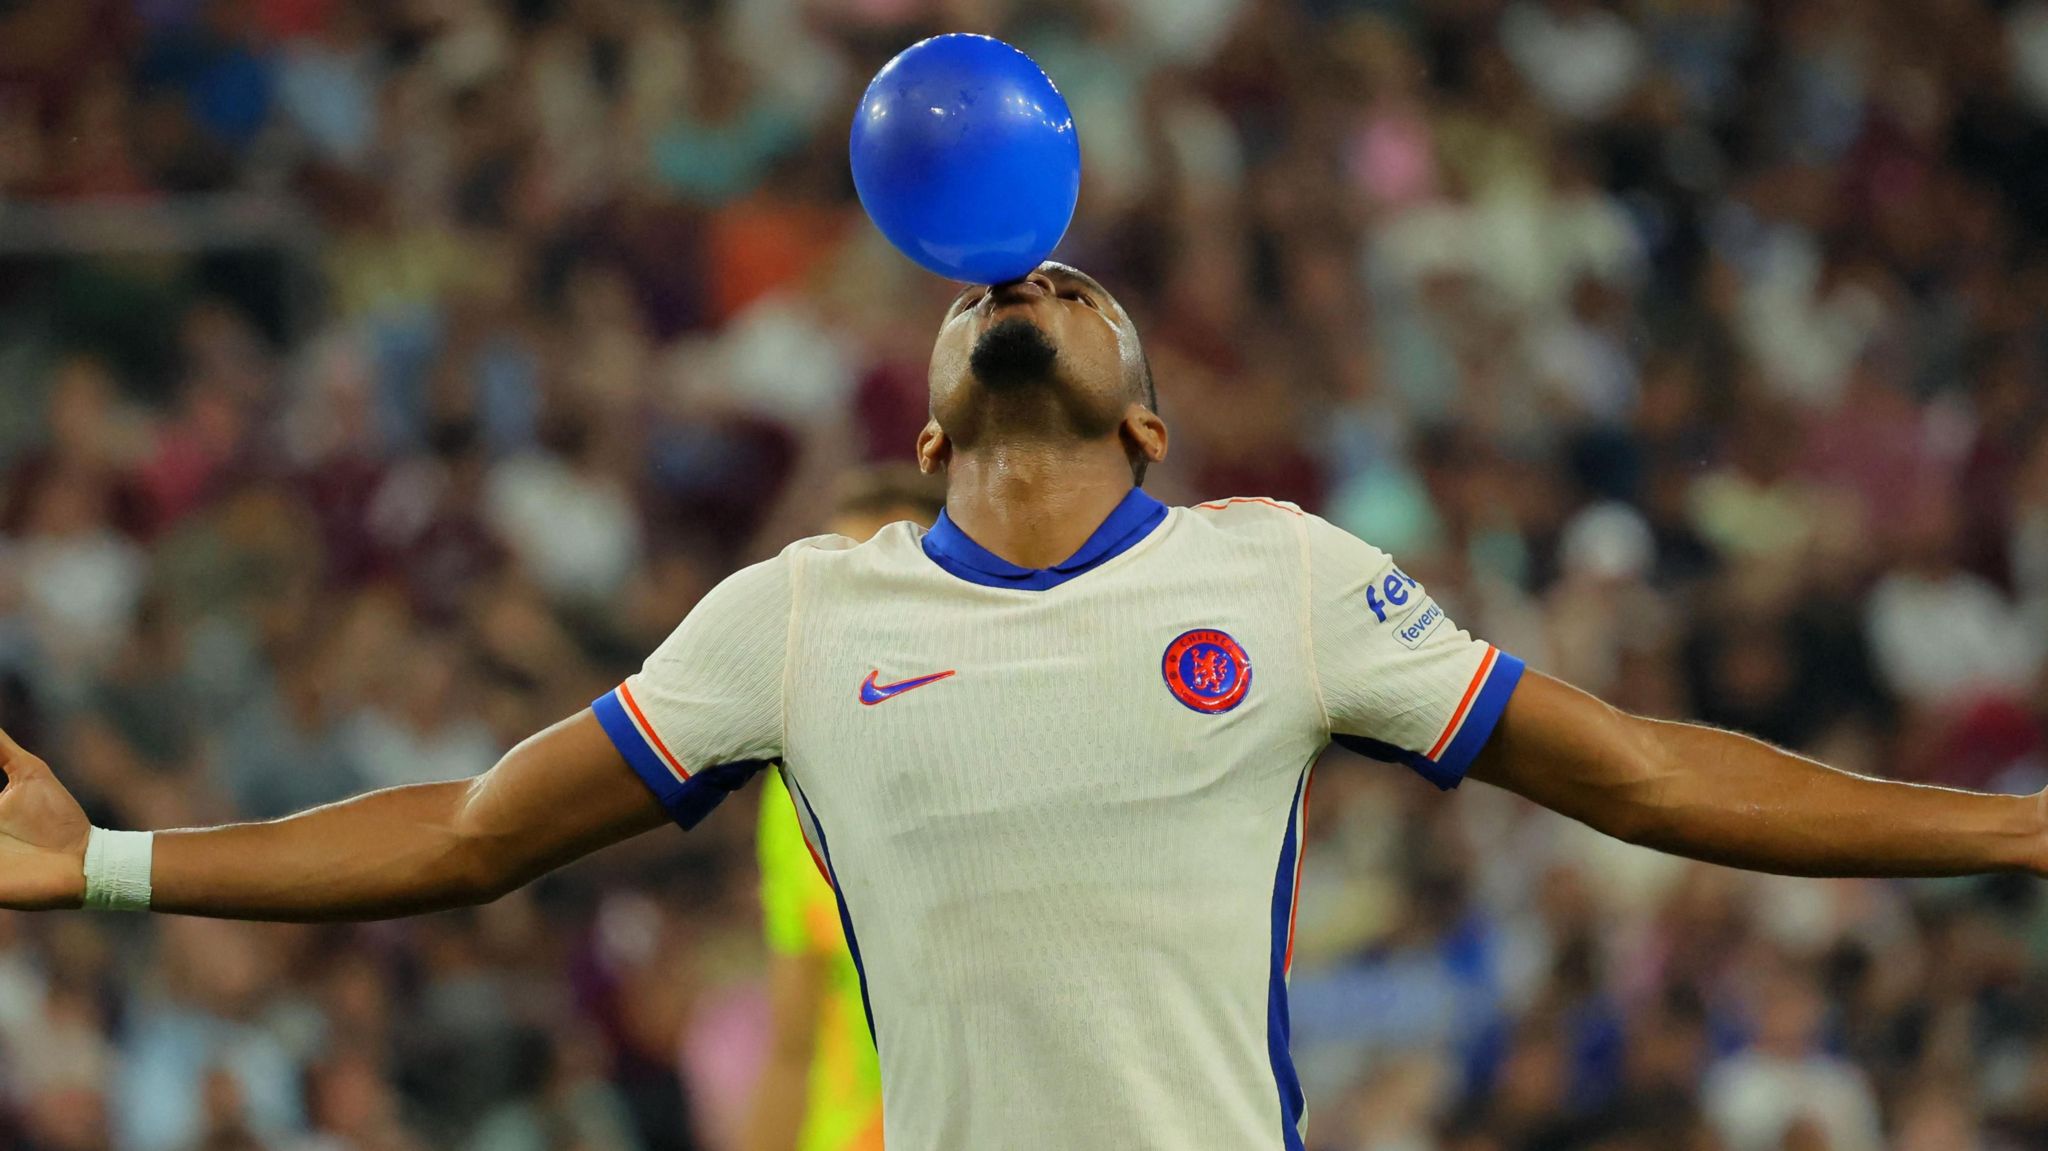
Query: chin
(1013, 354)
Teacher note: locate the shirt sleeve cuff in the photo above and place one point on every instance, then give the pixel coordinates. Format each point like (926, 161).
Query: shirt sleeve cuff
(1462, 738)
(687, 797)
(1477, 726)
(618, 722)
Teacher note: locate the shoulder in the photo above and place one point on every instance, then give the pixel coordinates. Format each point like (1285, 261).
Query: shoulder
(775, 574)
(1248, 516)
(1269, 521)
(1265, 522)
(896, 544)
(1240, 509)
(764, 588)
(810, 546)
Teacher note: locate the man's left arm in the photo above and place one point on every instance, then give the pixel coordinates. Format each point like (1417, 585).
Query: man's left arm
(1729, 799)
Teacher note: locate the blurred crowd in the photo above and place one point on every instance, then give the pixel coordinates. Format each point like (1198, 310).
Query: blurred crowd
(1694, 350)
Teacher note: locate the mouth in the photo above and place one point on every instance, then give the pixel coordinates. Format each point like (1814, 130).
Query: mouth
(1012, 295)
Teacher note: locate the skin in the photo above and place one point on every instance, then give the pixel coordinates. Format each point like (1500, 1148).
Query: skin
(1031, 495)
(1013, 484)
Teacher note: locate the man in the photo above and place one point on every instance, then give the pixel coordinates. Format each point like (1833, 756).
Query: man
(1053, 753)
(822, 1087)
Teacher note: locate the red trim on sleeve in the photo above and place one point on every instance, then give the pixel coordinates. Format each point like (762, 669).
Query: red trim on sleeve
(653, 737)
(1465, 704)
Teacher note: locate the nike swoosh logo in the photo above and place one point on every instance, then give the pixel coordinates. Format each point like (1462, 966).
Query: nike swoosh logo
(872, 693)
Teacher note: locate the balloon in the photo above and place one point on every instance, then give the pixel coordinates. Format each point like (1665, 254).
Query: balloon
(964, 155)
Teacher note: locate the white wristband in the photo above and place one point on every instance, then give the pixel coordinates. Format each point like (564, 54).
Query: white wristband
(117, 870)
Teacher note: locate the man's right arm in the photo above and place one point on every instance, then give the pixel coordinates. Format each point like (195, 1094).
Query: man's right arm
(702, 715)
(561, 794)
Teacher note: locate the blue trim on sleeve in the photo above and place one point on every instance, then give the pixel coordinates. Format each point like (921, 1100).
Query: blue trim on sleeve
(644, 760)
(1279, 1026)
(1480, 720)
(686, 801)
(1129, 522)
(1483, 716)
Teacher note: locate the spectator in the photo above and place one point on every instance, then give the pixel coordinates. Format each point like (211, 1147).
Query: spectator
(1783, 1091)
(1690, 349)
(1943, 635)
(1581, 59)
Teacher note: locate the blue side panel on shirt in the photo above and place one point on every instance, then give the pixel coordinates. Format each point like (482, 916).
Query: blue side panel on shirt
(1278, 1025)
(845, 916)
(686, 801)
(1449, 770)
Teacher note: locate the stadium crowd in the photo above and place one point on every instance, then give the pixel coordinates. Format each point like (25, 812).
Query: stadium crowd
(1694, 350)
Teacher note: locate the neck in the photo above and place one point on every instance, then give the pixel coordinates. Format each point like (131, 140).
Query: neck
(1034, 504)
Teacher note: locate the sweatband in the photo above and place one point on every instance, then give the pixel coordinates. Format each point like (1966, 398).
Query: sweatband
(117, 869)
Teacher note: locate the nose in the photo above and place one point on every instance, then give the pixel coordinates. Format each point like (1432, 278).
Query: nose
(1033, 284)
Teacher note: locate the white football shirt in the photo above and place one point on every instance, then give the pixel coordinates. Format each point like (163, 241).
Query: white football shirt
(1062, 808)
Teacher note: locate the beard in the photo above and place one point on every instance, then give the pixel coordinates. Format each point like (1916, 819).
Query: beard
(1013, 355)
(1022, 393)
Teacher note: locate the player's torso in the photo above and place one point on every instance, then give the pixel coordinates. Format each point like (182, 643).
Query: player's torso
(1057, 819)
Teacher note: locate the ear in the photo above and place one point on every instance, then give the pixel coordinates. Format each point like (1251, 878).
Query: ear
(934, 450)
(1143, 434)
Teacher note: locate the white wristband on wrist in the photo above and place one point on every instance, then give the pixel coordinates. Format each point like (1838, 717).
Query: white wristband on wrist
(117, 870)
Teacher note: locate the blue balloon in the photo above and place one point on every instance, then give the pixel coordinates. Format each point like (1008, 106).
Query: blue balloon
(964, 155)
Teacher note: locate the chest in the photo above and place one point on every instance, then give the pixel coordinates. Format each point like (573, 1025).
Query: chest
(936, 702)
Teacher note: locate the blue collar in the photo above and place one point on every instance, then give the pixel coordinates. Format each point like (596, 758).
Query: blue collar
(1131, 520)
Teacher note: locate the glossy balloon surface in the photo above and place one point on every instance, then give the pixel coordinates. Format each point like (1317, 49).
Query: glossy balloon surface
(964, 155)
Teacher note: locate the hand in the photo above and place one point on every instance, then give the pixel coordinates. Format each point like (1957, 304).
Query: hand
(42, 836)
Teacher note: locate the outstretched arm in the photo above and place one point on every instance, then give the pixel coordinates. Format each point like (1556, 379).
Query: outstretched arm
(559, 795)
(1726, 798)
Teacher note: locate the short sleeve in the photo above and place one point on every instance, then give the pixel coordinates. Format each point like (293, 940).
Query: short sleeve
(799, 913)
(704, 714)
(1400, 681)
